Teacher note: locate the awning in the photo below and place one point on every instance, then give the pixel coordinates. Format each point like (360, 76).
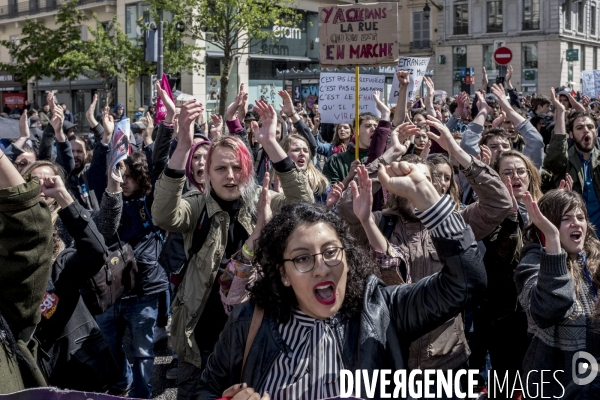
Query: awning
(282, 58)
(215, 54)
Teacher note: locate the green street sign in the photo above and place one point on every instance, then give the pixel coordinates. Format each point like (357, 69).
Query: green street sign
(573, 55)
(529, 75)
(457, 77)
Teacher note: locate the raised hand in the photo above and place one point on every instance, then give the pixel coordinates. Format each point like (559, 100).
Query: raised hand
(508, 76)
(406, 180)
(288, 106)
(242, 109)
(430, 89)
(233, 108)
(484, 79)
(335, 194)
(567, 183)
(383, 109)
(426, 149)
(89, 114)
(403, 79)
(362, 197)
(24, 126)
(58, 118)
(217, 127)
(585, 100)
(558, 106)
(485, 156)
(498, 91)
(507, 180)
(263, 208)
(482, 104)
(50, 100)
(166, 100)
(108, 122)
(267, 133)
(445, 139)
(577, 106)
(499, 120)
(187, 116)
(54, 187)
(547, 228)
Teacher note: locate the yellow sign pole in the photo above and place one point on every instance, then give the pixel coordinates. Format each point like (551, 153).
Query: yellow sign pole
(357, 112)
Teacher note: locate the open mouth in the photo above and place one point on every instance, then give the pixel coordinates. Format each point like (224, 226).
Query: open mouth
(325, 293)
(576, 236)
(200, 173)
(587, 140)
(230, 186)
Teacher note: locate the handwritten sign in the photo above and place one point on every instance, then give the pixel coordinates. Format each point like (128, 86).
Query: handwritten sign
(358, 34)
(416, 68)
(591, 82)
(336, 96)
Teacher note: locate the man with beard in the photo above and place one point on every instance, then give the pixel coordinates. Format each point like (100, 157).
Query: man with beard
(581, 161)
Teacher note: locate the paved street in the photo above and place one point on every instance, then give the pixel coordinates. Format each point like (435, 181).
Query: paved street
(164, 389)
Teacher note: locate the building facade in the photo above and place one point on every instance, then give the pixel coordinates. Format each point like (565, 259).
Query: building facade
(539, 33)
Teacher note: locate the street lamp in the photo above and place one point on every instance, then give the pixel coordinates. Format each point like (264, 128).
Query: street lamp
(427, 9)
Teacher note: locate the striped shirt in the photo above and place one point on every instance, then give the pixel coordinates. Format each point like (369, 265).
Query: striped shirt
(442, 219)
(310, 369)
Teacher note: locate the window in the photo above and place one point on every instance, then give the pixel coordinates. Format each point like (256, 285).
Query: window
(593, 15)
(529, 67)
(13, 39)
(459, 60)
(580, 16)
(494, 16)
(567, 15)
(461, 19)
(134, 13)
(488, 57)
(582, 59)
(420, 32)
(531, 15)
(595, 57)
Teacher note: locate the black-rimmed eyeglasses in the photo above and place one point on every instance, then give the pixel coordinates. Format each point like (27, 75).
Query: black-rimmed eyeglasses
(306, 262)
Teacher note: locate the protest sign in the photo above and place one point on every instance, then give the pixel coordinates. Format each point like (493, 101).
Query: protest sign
(358, 34)
(590, 82)
(120, 147)
(337, 96)
(416, 68)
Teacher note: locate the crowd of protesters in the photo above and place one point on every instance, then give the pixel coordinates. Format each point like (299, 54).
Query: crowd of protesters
(276, 250)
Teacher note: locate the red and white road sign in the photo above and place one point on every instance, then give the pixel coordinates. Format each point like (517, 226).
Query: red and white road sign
(502, 55)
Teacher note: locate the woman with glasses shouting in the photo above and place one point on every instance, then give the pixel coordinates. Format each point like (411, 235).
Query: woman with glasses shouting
(318, 308)
(519, 172)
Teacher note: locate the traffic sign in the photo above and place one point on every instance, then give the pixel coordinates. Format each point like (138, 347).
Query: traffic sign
(503, 55)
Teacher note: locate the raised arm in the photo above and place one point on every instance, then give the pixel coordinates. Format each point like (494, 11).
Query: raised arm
(440, 296)
(494, 200)
(89, 114)
(403, 82)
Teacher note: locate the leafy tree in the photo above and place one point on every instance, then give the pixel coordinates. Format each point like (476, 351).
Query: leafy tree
(229, 25)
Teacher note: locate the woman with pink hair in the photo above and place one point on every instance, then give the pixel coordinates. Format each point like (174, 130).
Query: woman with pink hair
(220, 225)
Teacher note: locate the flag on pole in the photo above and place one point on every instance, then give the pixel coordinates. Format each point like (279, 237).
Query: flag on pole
(161, 110)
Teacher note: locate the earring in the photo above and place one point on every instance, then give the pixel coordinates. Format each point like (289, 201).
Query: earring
(285, 283)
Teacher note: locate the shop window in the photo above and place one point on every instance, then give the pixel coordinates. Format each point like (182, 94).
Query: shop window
(531, 15)
(213, 66)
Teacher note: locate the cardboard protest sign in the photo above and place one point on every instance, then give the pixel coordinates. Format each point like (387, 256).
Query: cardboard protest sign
(336, 96)
(416, 67)
(590, 82)
(358, 34)
(120, 147)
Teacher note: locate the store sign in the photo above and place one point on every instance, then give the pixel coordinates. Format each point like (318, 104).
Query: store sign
(358, 34)
(296, 41)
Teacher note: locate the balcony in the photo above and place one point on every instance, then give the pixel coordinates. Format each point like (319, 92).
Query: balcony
(531, 25)
(494, 28)
(420, 45)
(13, 9)
(461, 30)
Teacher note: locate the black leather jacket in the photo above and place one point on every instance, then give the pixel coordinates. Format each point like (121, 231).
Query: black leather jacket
(377, 338)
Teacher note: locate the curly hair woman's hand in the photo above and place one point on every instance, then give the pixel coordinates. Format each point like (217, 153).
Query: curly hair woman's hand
(407, 180)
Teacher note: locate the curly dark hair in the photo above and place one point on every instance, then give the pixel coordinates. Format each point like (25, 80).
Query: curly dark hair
(574, 116)
(137, 168)
(269, 292)
(493, 132)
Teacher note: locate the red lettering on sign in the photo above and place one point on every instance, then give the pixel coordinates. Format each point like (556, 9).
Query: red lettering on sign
(354, 51)
(339, 16)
